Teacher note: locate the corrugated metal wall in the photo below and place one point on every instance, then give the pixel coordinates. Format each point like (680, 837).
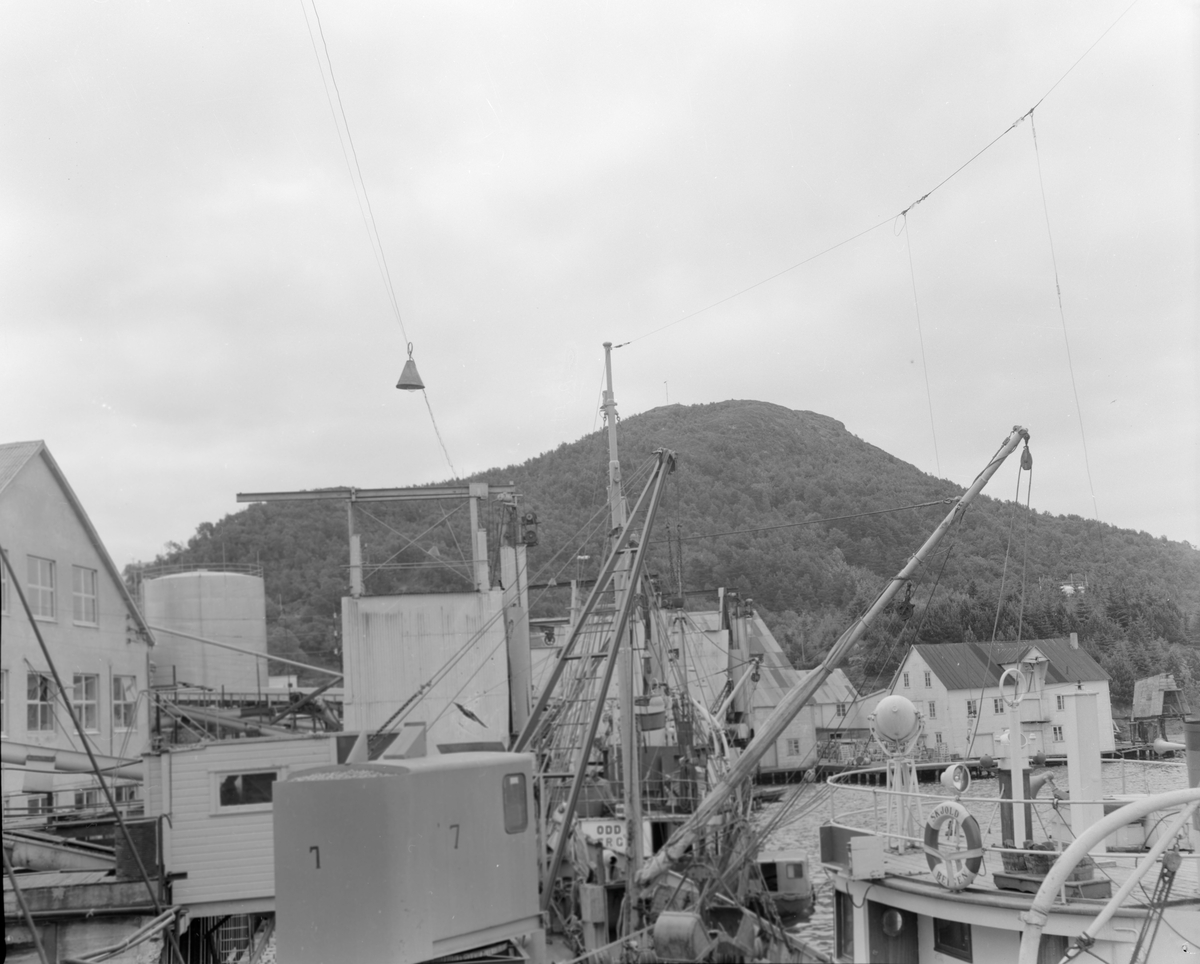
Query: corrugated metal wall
(394, 644)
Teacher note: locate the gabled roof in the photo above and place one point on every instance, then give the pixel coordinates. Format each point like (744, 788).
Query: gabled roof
(962, 666)
(776, 674)
(14, 456)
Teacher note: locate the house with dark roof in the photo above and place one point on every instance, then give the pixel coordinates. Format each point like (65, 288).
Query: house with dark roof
(956, 687)
(95, 634)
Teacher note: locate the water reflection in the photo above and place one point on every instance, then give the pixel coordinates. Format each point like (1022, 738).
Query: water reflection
(799, 830)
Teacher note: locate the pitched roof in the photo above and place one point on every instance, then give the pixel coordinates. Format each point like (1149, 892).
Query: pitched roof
(972, 665)
(14, 456)
(776, 673)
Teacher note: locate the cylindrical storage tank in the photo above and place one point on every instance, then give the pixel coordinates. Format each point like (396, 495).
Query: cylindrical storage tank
(229, 607)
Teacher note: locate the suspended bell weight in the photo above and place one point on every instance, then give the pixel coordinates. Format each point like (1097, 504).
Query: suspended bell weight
(410, 381)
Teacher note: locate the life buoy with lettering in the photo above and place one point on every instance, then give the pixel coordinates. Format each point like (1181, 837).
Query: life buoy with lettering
(954, 870)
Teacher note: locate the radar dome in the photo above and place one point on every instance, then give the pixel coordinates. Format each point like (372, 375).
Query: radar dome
(896, 718)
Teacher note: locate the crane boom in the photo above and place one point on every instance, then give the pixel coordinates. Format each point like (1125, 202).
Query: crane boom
(795, 699)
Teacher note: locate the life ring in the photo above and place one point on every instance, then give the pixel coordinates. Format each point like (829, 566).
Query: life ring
(957, 869)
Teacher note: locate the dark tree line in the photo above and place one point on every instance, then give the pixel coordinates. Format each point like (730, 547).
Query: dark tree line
(821, 550)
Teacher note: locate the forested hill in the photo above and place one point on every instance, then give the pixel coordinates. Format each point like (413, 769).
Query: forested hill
(744, 465)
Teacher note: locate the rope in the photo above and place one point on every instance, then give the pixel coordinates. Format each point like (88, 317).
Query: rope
(437, 432)
(958, 170)
(1061, 315)
(1000, 599)
(921, 339)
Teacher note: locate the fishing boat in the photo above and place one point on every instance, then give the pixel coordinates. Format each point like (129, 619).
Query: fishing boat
(925, 876)
(787, 876)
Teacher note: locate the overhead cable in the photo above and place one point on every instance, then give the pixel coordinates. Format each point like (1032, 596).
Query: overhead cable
(833, 247)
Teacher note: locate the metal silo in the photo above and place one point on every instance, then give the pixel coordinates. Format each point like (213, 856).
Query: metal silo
(224, 605)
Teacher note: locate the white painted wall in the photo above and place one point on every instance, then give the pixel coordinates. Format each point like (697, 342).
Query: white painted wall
(394, 644)
(227, 853)
(956, 727)
(37, 518)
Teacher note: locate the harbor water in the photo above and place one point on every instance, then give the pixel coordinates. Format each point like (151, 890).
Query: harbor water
(799, 829)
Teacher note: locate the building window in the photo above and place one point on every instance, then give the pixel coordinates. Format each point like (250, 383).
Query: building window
(841, 709)
(39, 703)
(124, 702)
(516, 803)
(1058, 734)
(125, 793)
(38, 804)
(972, 709)
(953, 938)
(83, 594)
(41, 587)
(928, 679)
(932, 710)
(87, 799)
(793, 746)
(906, 681)
(937, 738)
(997, 706)
(1061, 701)
(85, 699)
(246, 789)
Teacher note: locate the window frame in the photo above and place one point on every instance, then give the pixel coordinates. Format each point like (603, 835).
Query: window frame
(219, 777)
(121, 707)
(1060, 701)
(83, 704)
(87, 798)
(997, 706)
(928, 679)
(514, 796)
(40, 592)
(931, 705)
(125, 793)
(839, 709)
(39, 804)
(792, 746)
(957, 951)
(47, 704)
(904, 677)
(843, 926)
(1056, 734)
(80, 596)
(972, 709)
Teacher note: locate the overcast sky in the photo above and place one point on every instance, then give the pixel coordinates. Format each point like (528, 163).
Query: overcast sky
(192, 308)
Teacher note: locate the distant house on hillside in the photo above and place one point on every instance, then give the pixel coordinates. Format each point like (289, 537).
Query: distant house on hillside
(956, 686)
(94, 632)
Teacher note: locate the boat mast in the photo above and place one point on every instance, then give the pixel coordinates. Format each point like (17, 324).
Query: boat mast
(627, 676)
(795, 699)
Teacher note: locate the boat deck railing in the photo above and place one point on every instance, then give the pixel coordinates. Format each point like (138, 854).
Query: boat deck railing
(857, 805)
